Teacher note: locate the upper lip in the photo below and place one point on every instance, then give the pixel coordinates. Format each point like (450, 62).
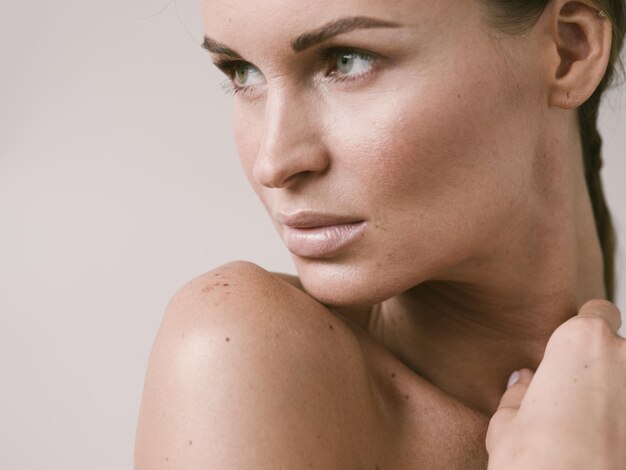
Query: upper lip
(308, 219)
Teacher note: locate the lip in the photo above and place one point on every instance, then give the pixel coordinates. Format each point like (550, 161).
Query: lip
(310, 219)
(315, 235)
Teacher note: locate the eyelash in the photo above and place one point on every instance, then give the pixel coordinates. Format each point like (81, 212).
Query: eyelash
(326, 55)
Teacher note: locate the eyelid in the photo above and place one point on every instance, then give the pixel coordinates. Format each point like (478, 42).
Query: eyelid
(228, 66)
(333, 76)
(324, 54)
(330, 51)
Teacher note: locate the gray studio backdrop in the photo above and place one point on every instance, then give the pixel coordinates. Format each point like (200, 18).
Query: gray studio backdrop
(119, 181)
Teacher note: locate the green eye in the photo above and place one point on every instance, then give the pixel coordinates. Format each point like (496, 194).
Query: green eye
(246, 75)
(353, 63)
(345, 62)
(241, 75)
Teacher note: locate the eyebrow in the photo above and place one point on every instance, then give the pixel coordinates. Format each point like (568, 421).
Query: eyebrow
(339, 26)
(307, 40)
(213, 46)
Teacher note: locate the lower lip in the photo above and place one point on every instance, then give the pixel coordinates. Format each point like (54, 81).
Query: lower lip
(319, 242)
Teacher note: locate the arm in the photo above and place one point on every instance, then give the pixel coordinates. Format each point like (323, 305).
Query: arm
(244, 374)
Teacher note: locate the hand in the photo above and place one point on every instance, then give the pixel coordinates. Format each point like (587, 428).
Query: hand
(571, 413)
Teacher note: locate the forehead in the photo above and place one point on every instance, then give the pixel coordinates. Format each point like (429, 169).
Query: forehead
(244, 23)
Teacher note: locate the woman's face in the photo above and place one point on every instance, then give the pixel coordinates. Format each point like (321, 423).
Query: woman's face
(420, 121)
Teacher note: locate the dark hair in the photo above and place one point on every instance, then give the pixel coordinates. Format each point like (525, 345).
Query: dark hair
(517, 16)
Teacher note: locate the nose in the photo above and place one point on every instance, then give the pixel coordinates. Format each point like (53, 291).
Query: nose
(291, 148)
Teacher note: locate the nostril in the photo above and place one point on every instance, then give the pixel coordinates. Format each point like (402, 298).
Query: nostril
(270, 175)
(279, 179)
(276, 172)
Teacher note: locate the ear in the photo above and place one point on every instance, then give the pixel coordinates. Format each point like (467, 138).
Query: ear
(583, 47)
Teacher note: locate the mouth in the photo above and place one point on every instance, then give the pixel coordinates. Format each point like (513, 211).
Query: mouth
(309, 219)
(314, 235)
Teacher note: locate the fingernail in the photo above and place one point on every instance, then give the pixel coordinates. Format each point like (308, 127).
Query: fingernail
(513, 379)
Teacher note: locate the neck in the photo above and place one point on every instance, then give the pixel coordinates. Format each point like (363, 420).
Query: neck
(468, 331)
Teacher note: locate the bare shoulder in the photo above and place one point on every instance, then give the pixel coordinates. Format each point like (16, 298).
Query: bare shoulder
(241, 295)
(249, 371)
(290, 279)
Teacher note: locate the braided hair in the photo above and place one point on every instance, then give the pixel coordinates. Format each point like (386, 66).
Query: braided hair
(515, 17)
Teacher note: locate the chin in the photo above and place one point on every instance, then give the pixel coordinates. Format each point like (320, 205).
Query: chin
(343, 285)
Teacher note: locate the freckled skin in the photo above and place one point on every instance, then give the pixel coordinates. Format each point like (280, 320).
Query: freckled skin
(408, 159)
(460, 149)
(461, 152)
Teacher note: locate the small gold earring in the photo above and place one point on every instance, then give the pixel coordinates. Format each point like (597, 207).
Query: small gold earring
(601, 14)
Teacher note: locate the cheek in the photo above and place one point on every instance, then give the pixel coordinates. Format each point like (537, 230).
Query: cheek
(434, 140)
(437, 160)
(248, 128)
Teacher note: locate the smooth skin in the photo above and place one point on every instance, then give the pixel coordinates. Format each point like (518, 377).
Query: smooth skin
(257, 374)
(459, 147)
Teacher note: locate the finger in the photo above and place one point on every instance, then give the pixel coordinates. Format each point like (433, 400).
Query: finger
(515, 392)
(604, 309)
(509, 405)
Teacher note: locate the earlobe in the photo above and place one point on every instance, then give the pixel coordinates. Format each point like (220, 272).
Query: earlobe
(582, 39)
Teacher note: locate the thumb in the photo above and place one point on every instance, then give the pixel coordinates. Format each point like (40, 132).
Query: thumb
(509, 405)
